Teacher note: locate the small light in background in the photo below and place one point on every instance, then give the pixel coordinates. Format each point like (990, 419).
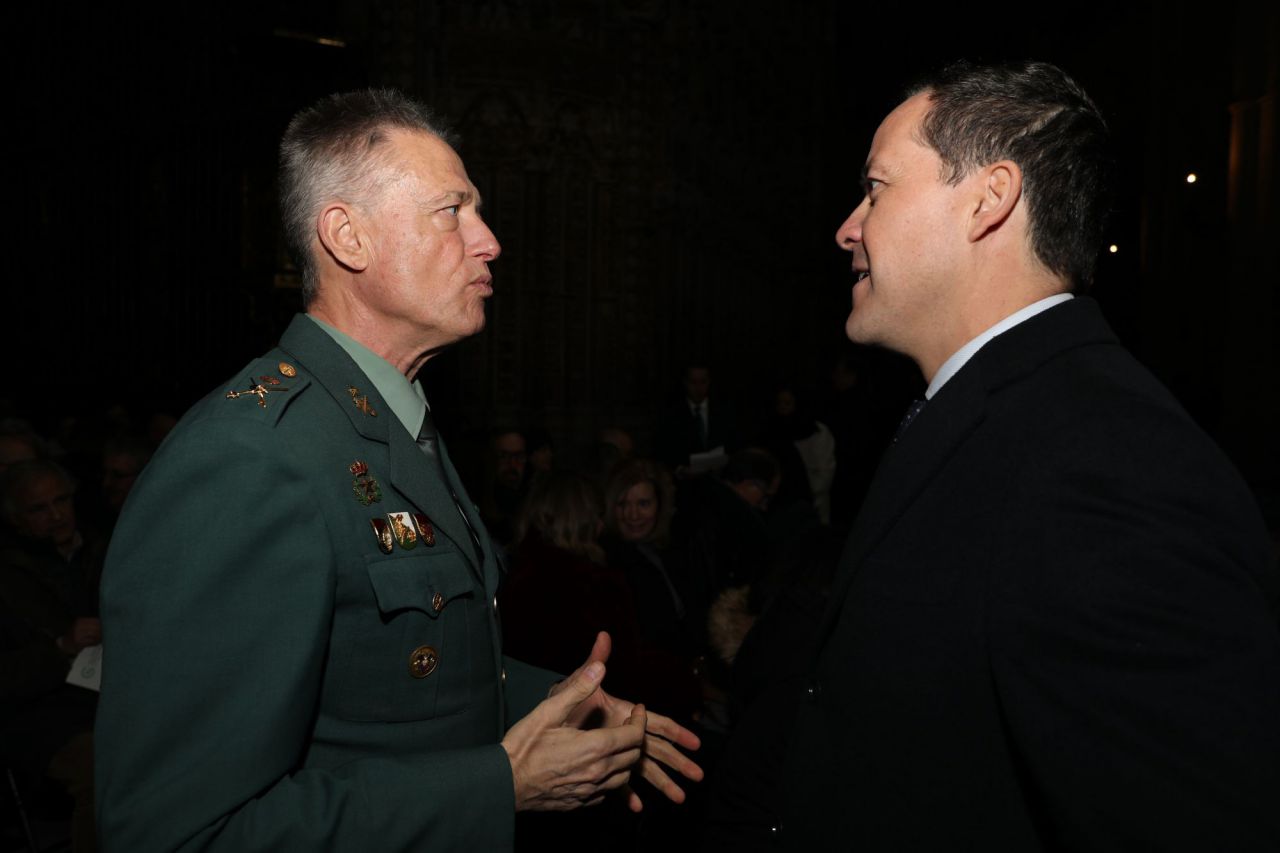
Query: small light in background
(1191, 178)
(1114, 248)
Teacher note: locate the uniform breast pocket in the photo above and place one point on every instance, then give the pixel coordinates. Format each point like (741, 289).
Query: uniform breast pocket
(401, 647)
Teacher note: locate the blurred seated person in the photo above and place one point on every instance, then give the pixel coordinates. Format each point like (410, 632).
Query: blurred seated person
(696, 429)
(617, 438)
(123, 459)
(540, 450)
(48, 614)
(559, 592)
(613, 444)
(639, 505)
(792, 424)
(18, 443)
(720, 524)
(722, 519)
(507, 486)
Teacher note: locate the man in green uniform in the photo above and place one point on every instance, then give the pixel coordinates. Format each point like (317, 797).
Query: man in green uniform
(300, 645)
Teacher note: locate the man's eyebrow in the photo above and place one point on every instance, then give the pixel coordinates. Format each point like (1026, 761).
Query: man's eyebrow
(457, 196)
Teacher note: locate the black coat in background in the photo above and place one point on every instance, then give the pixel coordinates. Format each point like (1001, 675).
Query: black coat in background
(1053, 626)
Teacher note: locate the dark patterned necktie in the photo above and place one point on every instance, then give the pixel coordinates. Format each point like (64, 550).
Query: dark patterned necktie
(912, 412)
(429, 443)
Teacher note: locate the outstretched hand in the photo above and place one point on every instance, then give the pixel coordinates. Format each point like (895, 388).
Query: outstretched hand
(662, 734)
(557, 766)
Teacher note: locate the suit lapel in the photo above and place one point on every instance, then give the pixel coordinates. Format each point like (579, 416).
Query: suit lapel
(410, 473)
(909, 466)
(906, 470)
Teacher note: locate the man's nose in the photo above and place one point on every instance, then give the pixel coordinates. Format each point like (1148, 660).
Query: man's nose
(483, 243)
(850, 232)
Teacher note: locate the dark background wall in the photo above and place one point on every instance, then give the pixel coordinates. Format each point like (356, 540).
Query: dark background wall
(665, 178)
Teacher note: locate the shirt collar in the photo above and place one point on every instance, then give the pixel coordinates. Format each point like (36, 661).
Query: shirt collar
(406, 399)
(961, 356)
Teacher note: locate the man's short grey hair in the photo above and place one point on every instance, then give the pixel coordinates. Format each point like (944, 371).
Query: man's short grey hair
(334, 151)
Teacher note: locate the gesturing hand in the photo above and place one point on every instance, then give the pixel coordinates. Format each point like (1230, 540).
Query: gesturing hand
(601, 709)
(557, 767)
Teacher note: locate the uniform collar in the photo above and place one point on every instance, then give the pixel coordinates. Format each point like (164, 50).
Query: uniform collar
(405, 399)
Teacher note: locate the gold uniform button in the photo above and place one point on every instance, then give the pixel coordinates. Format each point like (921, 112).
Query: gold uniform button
(423, 661)
(437, 602)
(287, 369)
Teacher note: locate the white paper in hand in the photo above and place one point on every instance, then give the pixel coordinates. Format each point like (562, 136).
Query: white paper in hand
(86, 669)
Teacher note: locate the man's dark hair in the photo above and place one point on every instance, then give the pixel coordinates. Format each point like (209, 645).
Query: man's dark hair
(1035, 115)
(333, 150)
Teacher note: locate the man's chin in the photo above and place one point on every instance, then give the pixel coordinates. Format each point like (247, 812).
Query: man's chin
(853, 328)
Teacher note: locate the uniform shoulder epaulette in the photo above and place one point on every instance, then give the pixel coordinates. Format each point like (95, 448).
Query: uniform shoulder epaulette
(268, 386)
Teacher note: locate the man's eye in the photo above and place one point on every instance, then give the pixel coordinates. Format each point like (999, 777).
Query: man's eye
(452, 210)
(871, 187)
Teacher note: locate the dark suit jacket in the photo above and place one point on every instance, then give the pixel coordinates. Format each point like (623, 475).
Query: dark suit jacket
(257, 691)
(678, 435)
(1052, 628)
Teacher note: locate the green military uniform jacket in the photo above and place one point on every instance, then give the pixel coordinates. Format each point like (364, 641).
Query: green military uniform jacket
(273, 679)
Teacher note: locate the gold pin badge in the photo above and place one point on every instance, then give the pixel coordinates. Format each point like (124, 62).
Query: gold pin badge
(364, 487)
(382, 530)
(255, 389)
(402, 526)
(287, 370)
(361, 401)
(425, 530)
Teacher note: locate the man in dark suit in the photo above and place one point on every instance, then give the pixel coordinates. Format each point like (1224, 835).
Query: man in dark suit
(694, 427)
(1053, 625)
(300, 646)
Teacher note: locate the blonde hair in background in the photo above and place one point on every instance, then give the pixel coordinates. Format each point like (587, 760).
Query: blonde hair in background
(631, 472)
(564, 508)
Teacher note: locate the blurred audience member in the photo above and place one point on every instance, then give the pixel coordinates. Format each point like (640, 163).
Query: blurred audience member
(613, 444)
(793, 424)
(122, 461)
(18, 443)
(619, 439)
(558, 568)
(639, 505)
(696, 426)
(862, 419)
(48, 614)
(507, 486)
(541, 451)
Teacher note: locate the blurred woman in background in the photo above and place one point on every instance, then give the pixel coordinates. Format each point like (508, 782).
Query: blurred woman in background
(639, 507)
(560, 592)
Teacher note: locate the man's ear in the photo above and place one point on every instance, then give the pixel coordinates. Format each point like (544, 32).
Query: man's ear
(343, 237)
(1000, 190)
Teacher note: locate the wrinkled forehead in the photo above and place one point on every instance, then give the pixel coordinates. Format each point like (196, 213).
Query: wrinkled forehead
(426, 161)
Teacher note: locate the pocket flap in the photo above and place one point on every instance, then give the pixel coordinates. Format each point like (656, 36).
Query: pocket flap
(413, 583)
